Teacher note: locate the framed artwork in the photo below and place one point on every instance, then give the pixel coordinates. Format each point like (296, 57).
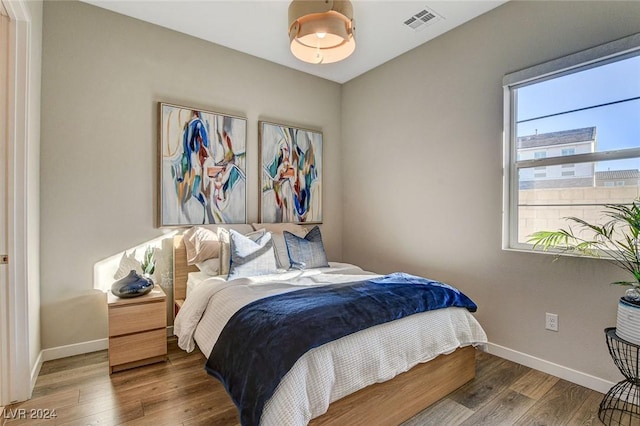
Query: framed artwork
(290, 174)
(202, 167)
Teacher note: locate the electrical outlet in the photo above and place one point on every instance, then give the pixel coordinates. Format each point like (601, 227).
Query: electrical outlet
(551, 322)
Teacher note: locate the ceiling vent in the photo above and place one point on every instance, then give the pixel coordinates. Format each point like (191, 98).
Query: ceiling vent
(422, 19)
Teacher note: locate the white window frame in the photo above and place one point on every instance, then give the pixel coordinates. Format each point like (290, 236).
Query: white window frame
(596, 56)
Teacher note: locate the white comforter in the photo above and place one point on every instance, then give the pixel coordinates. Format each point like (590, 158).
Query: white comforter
(336, 369)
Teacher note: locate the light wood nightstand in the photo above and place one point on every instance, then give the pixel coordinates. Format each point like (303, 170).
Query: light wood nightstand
(137, 330)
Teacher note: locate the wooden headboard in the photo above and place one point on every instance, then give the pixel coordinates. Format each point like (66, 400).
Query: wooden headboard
(180, 271)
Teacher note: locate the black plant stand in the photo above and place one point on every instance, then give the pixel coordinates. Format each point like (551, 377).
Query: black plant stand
(621, 405)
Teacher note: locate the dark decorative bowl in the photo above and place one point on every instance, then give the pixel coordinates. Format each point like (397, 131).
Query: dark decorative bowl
(133, 285)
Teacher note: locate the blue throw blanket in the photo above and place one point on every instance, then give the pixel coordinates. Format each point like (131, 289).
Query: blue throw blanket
(264, 339)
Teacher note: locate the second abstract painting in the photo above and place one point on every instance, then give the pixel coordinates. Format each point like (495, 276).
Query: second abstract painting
(291, 174)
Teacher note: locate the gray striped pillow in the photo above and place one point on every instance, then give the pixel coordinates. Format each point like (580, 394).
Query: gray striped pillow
(307, 252)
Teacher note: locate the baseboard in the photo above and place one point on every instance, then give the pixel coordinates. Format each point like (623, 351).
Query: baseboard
(35, 371)
(74, 349)
(573, 376)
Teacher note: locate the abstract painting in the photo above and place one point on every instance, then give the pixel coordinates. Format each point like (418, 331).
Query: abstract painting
(202, 167)
(291, 174)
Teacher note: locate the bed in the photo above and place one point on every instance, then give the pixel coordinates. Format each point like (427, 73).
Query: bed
(388, 395)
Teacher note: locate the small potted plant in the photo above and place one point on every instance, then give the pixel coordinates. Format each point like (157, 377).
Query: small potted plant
(617, 241)
(148, 263)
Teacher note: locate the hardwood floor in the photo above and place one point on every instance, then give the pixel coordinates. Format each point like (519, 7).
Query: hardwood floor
(79, 391)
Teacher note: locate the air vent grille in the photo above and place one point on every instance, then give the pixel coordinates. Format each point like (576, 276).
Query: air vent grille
(422, 19)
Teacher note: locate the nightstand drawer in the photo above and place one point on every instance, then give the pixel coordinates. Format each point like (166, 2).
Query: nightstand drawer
(128, 319)
(136, 347)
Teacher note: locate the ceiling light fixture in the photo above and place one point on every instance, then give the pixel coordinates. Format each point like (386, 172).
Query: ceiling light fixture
(321, 32)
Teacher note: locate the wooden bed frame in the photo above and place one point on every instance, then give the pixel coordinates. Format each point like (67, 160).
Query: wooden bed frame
(386, 404)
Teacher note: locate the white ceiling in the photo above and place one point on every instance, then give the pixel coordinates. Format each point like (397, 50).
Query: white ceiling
(259, 28)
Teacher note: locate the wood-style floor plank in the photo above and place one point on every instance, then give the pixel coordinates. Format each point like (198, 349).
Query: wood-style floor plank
(489, 384)
(121, 413)
(63, 364)
(443, 412)
(587, 414)
(180, 392)
(228, 417)
(504, 409)
(558, 406)
(534, 384)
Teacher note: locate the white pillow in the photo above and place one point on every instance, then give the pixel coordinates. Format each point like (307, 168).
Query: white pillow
(202, 241)
(210, 266)
(279, 245)
(201, 244)
(225, 252)
(251, 257)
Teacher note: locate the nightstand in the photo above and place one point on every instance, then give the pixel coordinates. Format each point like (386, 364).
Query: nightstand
(137, 330)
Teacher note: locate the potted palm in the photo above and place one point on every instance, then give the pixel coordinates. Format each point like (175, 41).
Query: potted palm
(617, 241)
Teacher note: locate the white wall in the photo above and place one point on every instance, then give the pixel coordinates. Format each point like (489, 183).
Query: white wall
(422, 149)
(103, 75)
(33, 184)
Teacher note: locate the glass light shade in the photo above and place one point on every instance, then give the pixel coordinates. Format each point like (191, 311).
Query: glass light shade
(323, 37)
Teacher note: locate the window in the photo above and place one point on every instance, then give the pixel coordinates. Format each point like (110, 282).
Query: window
(578, 119)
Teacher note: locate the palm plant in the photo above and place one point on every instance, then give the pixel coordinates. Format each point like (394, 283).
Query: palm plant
(617, 240)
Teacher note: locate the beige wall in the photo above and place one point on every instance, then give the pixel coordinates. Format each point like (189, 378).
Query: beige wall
(422, 142)
(420, 189)
(103, 75)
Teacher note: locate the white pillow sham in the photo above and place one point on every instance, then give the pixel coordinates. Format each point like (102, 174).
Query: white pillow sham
(225, 252)
(202, 241)
(210, 266)
(251, 256)
(201, 244)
